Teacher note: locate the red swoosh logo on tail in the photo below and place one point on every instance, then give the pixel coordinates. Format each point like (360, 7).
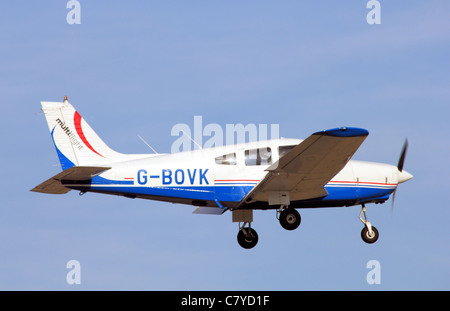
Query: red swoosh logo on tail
(77, 121)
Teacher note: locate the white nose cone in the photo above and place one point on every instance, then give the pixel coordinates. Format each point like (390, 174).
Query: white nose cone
(404, 176)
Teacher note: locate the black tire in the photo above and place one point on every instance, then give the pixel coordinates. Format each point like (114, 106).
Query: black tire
(247, 242)
(290, 219)
(366, 236)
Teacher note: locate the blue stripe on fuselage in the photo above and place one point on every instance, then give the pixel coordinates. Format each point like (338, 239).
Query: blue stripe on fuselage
(97, 180)
(207, 193)
(355, 193)
(230, 193)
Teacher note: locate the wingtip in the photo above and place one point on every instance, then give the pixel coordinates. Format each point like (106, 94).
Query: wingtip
(345, 132)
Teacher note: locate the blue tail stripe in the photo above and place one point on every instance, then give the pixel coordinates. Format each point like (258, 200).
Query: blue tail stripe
(65, 162)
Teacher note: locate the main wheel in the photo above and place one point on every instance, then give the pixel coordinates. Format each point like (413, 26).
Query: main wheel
(368, 238)
(247, 240)
(290, 219)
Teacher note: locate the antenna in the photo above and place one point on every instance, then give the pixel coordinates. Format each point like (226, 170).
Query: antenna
(192, 139)
(147, 144)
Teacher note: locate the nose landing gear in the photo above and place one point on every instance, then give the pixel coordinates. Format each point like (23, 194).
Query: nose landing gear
(369, 233)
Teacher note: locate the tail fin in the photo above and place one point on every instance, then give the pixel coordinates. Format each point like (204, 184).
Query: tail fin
(75, 141)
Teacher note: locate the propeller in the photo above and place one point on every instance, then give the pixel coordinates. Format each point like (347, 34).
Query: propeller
(393, 200)
(401, 162)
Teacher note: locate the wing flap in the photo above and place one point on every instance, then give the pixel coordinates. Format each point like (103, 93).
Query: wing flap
(208, 210)
(76, 173)
(308, 167)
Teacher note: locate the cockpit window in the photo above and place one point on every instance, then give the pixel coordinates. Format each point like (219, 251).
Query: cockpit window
(227, 159)
(282, 150)
(260, 156)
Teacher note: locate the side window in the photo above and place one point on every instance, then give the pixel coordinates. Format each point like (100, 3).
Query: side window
(282, 150)
(227, 159)
(260, 156)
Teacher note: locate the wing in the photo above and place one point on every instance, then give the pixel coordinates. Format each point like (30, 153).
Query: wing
(75, 173)
(303, 172)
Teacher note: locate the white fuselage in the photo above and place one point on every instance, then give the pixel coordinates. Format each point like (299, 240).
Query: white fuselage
(224, 175)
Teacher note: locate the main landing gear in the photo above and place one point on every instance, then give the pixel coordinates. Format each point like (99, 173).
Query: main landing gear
(289, 218)
(248, 238)
(369, 233)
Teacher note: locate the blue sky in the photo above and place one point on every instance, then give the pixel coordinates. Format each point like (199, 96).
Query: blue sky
(140, 68)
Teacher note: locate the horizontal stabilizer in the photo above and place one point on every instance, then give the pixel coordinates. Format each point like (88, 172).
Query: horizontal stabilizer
(75, 173)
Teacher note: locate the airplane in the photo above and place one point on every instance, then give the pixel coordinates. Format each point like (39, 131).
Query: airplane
(277, 174)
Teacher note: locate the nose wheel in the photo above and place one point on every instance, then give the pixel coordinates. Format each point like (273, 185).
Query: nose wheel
(369, 237)
(369, 233)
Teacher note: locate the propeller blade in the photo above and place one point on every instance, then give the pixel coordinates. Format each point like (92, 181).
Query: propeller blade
(401, 160)
(393, 200)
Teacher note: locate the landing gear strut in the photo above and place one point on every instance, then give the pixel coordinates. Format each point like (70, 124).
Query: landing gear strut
(369, 233)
